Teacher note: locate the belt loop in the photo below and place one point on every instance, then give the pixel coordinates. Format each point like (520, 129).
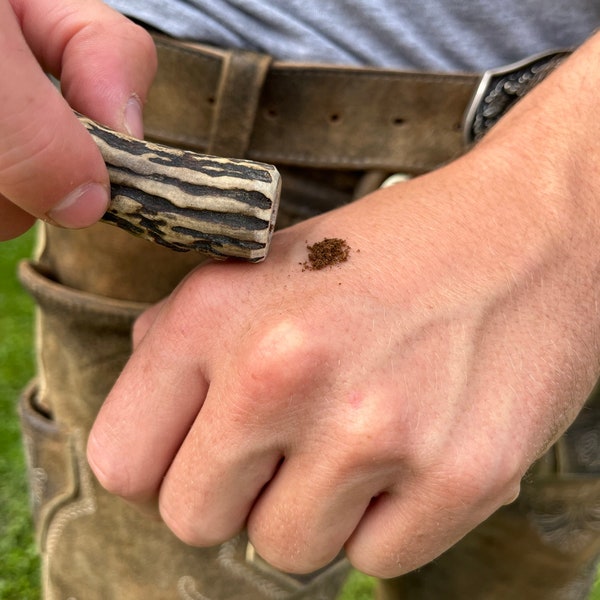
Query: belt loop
(242, 78)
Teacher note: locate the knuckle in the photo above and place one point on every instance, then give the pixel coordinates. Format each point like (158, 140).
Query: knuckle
(186, 526)
(111, 475)
(279, 357)
(373, 564)
(362, 438)
(376, 435)
(291, 542)
(114, 483)
(486, 477)
(117, 476)
(279, 343)
(382, 555)
(182, 529)
(287, 558)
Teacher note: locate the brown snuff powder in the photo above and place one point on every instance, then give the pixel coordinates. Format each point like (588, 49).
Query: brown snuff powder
(326, 253)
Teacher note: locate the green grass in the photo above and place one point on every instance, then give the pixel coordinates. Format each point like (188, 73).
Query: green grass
(358, 587)
(19, 565)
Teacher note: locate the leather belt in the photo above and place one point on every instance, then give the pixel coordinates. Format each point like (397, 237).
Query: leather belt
(239, 103)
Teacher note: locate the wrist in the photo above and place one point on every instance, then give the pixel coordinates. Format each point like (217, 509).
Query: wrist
(549, 147)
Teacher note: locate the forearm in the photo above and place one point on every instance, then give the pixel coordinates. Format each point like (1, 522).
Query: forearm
(549, 144)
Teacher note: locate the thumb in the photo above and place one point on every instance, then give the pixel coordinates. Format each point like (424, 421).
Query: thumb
(50, 168)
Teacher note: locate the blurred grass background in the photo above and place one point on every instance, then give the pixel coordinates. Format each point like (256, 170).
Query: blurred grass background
(19, 564)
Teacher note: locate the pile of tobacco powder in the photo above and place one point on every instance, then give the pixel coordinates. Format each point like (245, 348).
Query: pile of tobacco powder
(328, 252)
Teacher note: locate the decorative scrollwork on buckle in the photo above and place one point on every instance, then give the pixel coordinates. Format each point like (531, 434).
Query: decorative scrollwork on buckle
(500, 88)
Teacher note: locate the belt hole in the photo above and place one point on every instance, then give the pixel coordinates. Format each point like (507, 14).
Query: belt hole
(398, 121)
(271, 113)
(335, 118)
(210, 100)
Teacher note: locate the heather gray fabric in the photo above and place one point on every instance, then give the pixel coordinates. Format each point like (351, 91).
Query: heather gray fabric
(465, 35)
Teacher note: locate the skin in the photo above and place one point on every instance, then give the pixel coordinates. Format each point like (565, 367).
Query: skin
(49, 166)
(392, 403)
(389, 404)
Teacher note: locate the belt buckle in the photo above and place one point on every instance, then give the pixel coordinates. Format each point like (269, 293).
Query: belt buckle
(500, 88)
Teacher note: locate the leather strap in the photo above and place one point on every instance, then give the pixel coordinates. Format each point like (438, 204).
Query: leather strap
(306, 115)
(242, 77)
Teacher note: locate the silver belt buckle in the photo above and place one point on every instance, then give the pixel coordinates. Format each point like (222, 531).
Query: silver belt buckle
(500, 88)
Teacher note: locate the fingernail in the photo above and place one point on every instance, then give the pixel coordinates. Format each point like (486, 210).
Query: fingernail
(82, 207)
(134, 122)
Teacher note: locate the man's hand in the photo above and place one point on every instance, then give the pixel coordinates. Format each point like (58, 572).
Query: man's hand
(390, 403)
(49, 166)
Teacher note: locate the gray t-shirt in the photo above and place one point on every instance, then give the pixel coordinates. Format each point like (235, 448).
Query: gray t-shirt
(459, 35)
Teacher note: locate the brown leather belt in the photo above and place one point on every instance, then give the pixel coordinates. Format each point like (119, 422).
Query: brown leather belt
(238, 103)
